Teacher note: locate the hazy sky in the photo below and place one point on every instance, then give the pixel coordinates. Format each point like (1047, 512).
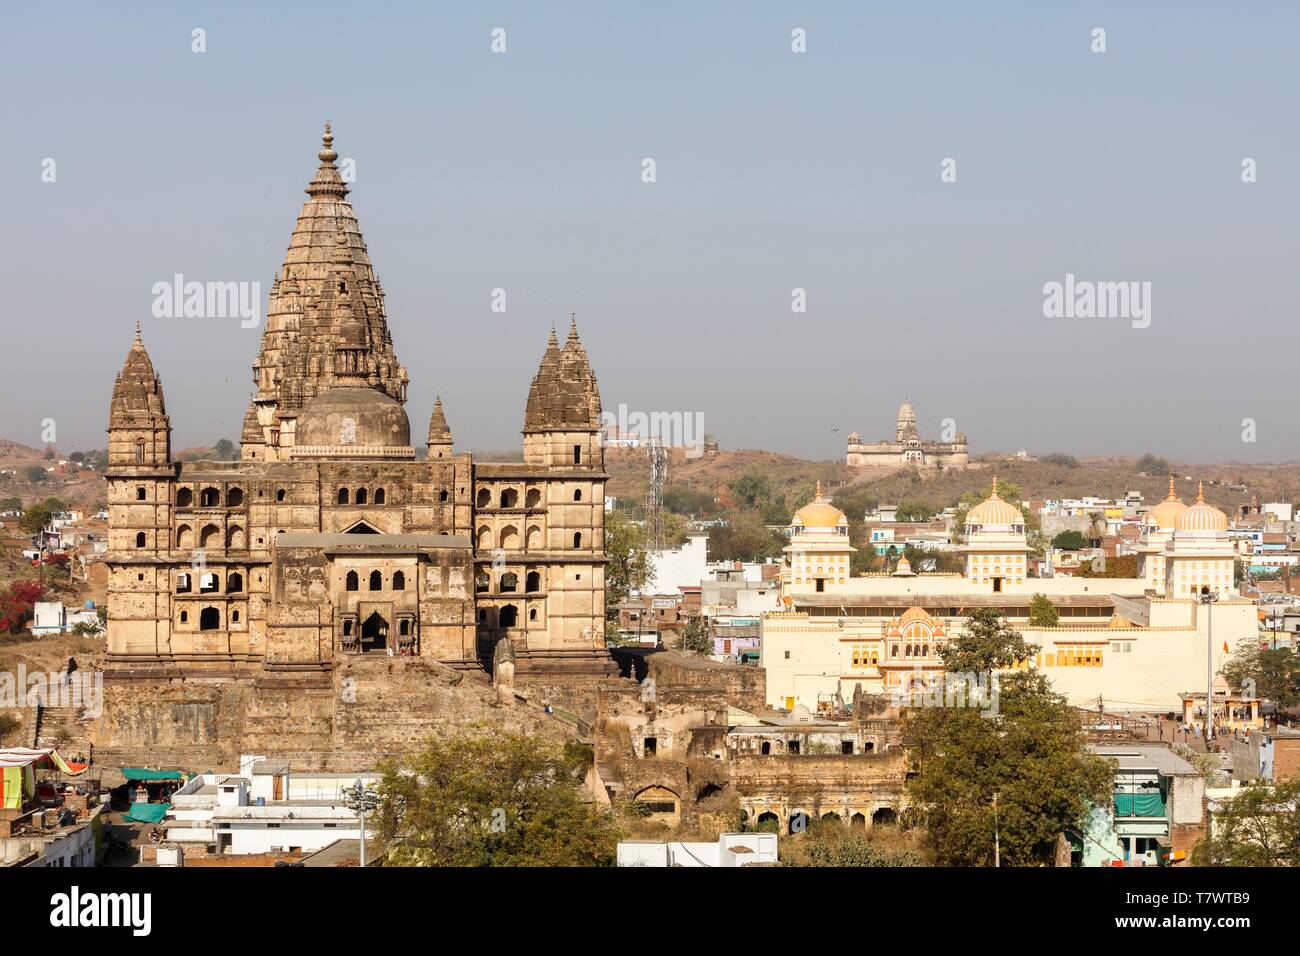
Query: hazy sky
(775, 170)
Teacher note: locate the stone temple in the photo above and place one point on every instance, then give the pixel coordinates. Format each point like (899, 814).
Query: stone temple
(241, 592)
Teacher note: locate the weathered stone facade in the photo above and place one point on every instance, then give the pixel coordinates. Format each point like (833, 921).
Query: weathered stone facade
(249, 587)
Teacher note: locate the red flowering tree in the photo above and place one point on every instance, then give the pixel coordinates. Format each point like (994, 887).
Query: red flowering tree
(17, 605)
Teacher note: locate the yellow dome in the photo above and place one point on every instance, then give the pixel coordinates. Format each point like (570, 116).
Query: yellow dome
(819, 513)
(1165, 515)
(1202, 516)
(995, 511)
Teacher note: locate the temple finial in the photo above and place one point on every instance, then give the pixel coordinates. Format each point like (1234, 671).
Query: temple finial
(573, 326)
(1200, 492)
(552, 341)
(327, 154)
(819, 488)
(995, 486)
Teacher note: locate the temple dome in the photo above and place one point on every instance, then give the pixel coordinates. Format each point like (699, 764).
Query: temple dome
(819, 513)
(994, 511)
(348, 417)
(1202, 516)
(1165, 515)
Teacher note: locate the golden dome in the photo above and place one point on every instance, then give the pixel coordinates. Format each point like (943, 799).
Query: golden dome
(1165, 515)
(819, 513)
(1202, 516)
(995, 511)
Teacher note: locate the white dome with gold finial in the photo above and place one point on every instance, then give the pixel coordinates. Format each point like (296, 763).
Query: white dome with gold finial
(1202, 516)
(819, 514)
(994, 512)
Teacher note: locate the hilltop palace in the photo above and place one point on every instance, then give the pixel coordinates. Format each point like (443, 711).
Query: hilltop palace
(246, 587)
(1134, 643)
(907, 449)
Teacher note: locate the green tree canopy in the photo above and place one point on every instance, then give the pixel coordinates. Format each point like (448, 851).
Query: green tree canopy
(629, 565)
(1259, 826)
(744, 538)
(1030, 754)
(1070, 541)
(1042, 612)
(915, 511)
(489, 798)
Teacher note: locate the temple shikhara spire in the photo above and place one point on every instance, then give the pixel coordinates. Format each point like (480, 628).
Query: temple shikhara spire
(325, 323)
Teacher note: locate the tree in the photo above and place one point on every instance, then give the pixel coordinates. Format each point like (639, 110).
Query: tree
(1149, 464)
(744, 538)
(487, 798)
(34, 473)
(695, 636)
(1029, 753)
(1069, 541)
(629, 564)
(1062, 459)
(1259, 826)
(831, 842)
(914, 511)
(224, 450)
(752, 489)
(1275, 673)
(35, 519)
(1120, 566)
(17, 605)
(1042, 612)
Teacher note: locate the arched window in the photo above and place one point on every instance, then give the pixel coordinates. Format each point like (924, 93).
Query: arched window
(399, 581)
(534, 537)
(207, 583)
(184, 498)
(509, 536)
(234, 617)
(509, 616)
(533, 583)
(139, 494)
(533, 498)
(184, 537)
(182, 584)
(234, 582)
(577, 494)
(209, 619)
(210, 536)
(509, 582)
(404, 627)
(347, 628)
(379, 496)
(353, 582)
(532, 614)
(235, 537)
(509, 498)
(442, 495)
(484, 537)
(484, 498)
(481, 583)
(185, 616)
(279, 494)
(234, 498)
(361, 496)
(577, 539)
(376, 581)
(343, 496)
(209, 498)
(139, 539)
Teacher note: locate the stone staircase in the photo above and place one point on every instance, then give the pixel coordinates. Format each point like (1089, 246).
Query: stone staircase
(65, 728)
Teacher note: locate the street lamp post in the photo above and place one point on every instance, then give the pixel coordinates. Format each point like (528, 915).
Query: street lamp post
(1208, 599)
(361, 800)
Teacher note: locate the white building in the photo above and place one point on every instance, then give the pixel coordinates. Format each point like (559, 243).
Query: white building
(674, 568)
(264, 808)
(1135, 643)
(732, 849)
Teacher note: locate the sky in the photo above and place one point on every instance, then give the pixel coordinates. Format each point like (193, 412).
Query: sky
(774, 170)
